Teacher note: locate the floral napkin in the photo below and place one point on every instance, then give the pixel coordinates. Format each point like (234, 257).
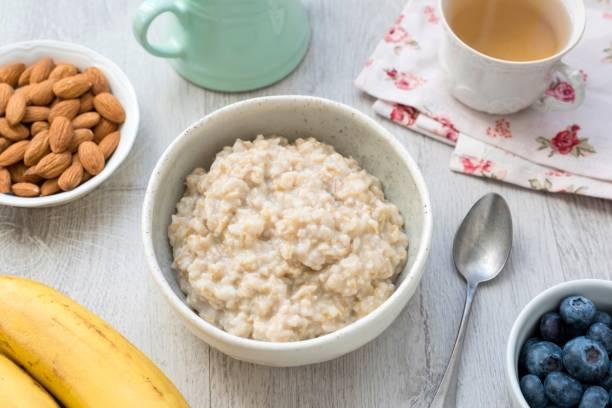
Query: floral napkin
(568, 152)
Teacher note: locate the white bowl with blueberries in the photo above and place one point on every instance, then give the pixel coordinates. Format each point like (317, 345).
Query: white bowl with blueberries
(560, 348)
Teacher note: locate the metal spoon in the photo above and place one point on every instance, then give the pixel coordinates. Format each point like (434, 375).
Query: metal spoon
(480, 251)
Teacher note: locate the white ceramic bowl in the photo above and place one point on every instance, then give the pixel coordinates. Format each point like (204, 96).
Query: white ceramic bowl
(29, 52)
(352, 134)
(599, 291)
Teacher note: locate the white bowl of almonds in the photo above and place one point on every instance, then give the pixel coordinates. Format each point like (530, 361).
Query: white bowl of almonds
(68, 119)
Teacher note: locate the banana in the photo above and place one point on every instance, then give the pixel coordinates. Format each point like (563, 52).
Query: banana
(74, 354)
(19, 390)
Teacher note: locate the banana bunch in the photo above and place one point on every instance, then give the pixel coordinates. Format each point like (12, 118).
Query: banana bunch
(80, 359)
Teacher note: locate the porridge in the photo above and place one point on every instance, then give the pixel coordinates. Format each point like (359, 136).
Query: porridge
(285, 241)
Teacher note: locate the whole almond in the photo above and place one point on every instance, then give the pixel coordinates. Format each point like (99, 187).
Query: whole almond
(41, 70)
(38, 127)
(14, 153)
(24, 78)
(5, 181)
(86, 102)
(35, 114)
(25, 189)
(37, 149)
(86, 120)
(18, 171)
(72, 87)
(60, 134)
(91, 158)
(80, 136)
(15, 109)
(4, 143)
(71, 177)
(109, 107)
(13, 133)
(98, 79)
(49, 187)
(53, 164)
(103, 128)
(109, 144)
(10, 73)
(42, 92)
(68, 109)
(6, 91)
(63, 70)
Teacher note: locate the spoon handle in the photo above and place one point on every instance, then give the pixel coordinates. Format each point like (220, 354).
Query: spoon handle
(446, 395)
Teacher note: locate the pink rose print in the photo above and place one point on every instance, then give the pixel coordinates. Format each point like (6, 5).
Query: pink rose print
(561, 91)
(547, 184)
(404, 80)
(501, 129)
(404, 115)
(447, 128)
(481, 167)
(583, 75)
(399, 19)
(557, 173)
(398, 36)
(430, 12)
(567, 142)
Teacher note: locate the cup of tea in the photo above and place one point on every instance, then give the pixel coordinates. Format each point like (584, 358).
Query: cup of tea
(501, 56)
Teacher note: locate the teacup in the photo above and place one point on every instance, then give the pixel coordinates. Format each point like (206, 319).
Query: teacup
(500, 86)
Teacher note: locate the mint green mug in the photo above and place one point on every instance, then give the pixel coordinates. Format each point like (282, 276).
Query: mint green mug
(229, 45)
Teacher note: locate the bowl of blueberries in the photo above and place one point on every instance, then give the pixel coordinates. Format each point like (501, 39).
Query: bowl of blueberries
(559, 350)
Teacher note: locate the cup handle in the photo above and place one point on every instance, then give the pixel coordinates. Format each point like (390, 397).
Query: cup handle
(565, 92)
(148, 11)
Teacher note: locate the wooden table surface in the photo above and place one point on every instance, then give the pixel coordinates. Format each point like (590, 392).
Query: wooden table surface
(91, 249)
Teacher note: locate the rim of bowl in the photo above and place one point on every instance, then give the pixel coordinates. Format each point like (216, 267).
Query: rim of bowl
(532, 307)
(126, 140)
(197, 322)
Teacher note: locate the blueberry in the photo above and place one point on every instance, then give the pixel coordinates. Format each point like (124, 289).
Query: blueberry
(607, 381)
(601, 333)
(585, 360)
(577, 311)
(603, 317)
(551, 327)
(533, 391)
(594, 397)
(562, 389)
(544, 357)
(522, 361)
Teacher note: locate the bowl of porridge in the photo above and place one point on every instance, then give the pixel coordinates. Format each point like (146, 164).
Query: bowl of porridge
(286, 230)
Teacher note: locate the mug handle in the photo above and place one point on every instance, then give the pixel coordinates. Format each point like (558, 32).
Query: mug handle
(565, 92)
(148, 11)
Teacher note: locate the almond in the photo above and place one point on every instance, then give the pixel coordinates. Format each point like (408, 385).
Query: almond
(109, 144)
(41, 70)
(35, 114)
(38, 127)
(4, 143)
(68, 109)
(30, 176)
(17, 171)
(15, 109)
(24, 78)
(13, 133)
(98, 80)
(25, 189)
(63, 70)
(71, 177)
(86, 102)
(60, 134)
(86, 120)
(14, 153)
(25, 92)
(53, 164)
(42, 92)
(103, 128)
(109, 107)
(37, 149)
(5, 181)
(80, 136)
(10, 73)
(72, 87)
(91, 158)
(49, 187)
(6, 91)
